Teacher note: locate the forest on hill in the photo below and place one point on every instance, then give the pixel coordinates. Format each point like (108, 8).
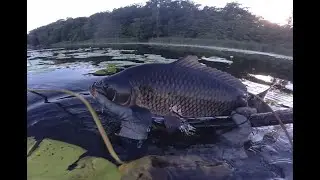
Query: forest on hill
(163, 19)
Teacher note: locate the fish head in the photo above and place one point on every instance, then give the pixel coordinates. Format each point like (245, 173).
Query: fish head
(118, 91)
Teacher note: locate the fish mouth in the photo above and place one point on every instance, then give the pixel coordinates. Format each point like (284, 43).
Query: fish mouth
(99, 90)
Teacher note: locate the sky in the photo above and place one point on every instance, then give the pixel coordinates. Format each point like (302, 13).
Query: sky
(43, 12)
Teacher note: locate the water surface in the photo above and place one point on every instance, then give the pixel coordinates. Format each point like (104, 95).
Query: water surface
(61, 117)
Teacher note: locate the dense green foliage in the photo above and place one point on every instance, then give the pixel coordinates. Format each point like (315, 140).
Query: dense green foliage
(167, 18)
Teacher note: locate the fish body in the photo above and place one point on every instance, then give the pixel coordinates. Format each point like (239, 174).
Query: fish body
(184, 88)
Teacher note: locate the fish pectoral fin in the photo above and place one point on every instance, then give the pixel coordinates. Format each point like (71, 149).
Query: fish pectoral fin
(172, 123)
(187, 129)
(137, 125)
(176, 112)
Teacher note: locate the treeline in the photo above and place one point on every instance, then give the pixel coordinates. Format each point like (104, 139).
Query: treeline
(166, 18)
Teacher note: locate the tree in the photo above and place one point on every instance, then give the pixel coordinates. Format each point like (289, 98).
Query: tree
(167, 18)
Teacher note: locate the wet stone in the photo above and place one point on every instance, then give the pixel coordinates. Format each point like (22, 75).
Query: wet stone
(175, 167)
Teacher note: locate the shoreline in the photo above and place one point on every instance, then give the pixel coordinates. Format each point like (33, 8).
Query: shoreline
(218, 48)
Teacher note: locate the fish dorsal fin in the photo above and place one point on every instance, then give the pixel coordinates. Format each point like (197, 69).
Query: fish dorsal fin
(189, 61)
(192, 62)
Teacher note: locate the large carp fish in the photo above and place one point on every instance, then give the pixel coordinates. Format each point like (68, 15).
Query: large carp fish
(181, 89)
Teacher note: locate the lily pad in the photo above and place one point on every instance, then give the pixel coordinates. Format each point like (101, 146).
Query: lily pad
(30, 144)
(101, 72)
(51, 160)
(94, 168)
(111, 69)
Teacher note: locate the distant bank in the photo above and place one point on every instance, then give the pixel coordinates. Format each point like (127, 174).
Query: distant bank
(99, 43)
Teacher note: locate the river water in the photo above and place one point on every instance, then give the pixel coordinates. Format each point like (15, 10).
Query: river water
(61, 117)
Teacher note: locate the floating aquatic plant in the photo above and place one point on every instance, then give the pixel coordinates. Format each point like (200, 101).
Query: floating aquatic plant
(52, 160)
(111, 69)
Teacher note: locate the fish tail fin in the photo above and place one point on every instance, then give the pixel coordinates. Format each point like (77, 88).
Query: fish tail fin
(263, 94)
(254, 102)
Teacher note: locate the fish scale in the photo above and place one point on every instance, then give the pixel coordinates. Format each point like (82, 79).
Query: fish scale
(198, 101)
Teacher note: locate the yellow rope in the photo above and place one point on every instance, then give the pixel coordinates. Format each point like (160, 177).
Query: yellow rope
(95, 118)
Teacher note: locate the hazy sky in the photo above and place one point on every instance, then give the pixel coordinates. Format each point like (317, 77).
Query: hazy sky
(42, 12)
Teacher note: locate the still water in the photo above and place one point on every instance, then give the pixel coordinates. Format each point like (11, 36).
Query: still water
(61, 117)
